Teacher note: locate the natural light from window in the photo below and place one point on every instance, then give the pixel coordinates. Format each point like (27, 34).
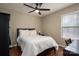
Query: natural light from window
(70, 26)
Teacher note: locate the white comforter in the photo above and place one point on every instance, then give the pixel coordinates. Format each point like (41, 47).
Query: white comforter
(33, 45)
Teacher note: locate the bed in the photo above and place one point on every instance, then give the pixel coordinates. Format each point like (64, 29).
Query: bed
(32, 44)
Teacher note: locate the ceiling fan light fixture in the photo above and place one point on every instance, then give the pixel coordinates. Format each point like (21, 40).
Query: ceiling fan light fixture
(36, 11)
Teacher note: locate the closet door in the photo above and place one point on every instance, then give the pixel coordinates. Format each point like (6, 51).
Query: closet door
(4, 34)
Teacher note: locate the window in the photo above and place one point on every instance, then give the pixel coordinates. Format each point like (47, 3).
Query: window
(70, 26)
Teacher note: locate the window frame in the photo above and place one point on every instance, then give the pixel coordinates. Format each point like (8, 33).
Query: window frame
(77, 26)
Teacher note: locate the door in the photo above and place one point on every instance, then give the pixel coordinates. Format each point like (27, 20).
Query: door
(4, 34)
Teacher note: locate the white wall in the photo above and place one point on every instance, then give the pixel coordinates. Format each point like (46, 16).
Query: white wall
(21, 20)
(52, 23)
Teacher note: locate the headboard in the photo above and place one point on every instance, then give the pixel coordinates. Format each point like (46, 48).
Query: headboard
(23, 29)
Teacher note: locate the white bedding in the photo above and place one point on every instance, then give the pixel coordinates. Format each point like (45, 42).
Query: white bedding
(33, 45)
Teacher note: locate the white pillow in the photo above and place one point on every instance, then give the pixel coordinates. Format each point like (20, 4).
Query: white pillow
(32, 32)
(24, 33)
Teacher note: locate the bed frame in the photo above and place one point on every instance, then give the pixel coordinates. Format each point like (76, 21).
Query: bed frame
(45, 52)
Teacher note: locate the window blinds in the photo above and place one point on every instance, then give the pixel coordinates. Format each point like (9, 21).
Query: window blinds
(70, 26)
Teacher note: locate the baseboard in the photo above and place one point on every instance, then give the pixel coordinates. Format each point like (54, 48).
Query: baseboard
(12, 45)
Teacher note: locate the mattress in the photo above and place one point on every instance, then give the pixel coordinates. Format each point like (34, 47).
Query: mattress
(33, 45)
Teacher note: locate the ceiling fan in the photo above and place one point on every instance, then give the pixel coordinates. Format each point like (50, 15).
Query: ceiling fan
(37, 8)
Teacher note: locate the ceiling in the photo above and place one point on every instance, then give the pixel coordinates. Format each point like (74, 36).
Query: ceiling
(21, 8)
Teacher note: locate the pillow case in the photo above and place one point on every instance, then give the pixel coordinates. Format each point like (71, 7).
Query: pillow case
(32, 32)
(24, 33)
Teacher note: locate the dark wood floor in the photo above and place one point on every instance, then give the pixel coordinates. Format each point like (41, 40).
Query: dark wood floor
(15, 51)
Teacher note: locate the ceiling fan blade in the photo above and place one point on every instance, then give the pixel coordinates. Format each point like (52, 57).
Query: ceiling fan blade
(44, 9)
(31, 11)
(29, 6)
(39, 13)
